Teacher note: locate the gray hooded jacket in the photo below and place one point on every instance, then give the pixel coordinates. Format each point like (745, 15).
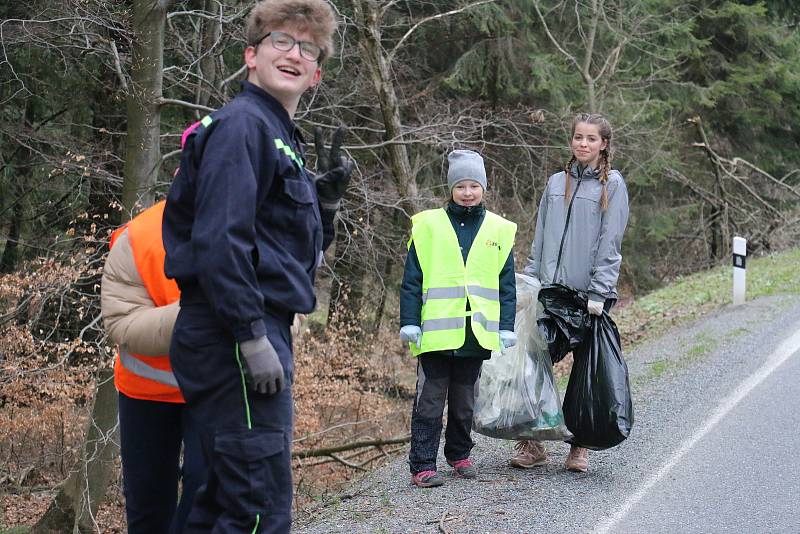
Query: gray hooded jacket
(592, 245)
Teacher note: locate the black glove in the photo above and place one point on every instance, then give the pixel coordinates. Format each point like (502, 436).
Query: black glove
(333, 169)
(264, 369)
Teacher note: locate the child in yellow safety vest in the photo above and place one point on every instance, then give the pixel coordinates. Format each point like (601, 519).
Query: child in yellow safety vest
(457, 305)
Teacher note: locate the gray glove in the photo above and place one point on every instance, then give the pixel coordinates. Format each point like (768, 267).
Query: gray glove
(263, 367)
(411, 334)
(595, 307)
(333, 169)
(507, 339)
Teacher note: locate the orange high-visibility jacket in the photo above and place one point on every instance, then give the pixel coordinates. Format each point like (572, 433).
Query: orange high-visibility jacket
(139, 306)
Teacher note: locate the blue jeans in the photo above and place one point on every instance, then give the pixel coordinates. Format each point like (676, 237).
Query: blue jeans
(151, 434)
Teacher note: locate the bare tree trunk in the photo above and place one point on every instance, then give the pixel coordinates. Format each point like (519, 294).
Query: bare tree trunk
(349, 282)
(75, 507)
(717, 245)
(19, 171)
(586, 70)
(347, 286)
(369, 30)
(76, 504)
(143, 153)
(586, 65)
(387, 272)
(211, 31)
(11, 251)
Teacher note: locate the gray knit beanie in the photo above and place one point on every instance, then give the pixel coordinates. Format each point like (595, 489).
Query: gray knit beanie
(465, 165)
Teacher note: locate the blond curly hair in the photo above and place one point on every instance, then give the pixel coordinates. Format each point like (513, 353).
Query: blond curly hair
(313, 16)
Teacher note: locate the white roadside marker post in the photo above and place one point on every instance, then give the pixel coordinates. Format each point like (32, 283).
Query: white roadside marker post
(739, 274)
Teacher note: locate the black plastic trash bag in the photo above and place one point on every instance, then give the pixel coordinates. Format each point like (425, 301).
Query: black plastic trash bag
(565, 322)
(597, 405)
(517, 394)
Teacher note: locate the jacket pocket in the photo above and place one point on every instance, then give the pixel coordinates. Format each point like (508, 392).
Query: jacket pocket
(298, 191)
(253, 467)
(196, 332)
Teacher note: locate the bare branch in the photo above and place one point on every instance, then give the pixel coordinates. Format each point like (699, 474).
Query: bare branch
(552, 38)
(169, 155)
(329, 451)
(235, 75)
(190, 105)
(118, 65)
(412, 29)
(197, 13)
(782, 182)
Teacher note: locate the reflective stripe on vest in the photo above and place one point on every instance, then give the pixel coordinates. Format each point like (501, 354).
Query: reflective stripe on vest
(448, 283)
(460, 292)
(489, 293)
(447, 323)
(140, 368)
(491, 326)
(444, 293)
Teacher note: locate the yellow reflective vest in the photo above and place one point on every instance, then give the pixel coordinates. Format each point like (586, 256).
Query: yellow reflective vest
(448, 283)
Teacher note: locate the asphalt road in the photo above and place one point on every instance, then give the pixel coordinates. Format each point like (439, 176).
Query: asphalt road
(739, 472)
(715, 448)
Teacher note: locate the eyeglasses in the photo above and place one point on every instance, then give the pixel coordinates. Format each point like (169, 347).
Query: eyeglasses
(285, 42)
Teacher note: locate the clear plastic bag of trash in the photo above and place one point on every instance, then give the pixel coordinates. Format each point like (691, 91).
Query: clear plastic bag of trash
(517, 395)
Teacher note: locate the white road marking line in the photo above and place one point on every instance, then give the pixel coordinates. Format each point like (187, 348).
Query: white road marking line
(784, 351)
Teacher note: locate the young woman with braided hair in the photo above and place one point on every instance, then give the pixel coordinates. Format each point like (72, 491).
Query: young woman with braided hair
(582, 217)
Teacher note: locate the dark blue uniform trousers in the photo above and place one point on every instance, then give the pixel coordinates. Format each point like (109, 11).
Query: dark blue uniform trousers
(442, 377)
(151, 434)
(246, 435)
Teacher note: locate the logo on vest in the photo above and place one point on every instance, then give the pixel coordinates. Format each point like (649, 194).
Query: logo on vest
(490, 243)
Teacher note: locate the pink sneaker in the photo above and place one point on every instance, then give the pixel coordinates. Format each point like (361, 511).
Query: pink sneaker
(464, 468)
(427, 479)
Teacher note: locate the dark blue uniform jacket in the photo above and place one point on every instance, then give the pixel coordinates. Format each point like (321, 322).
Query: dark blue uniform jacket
(466, 221)
(242, 226)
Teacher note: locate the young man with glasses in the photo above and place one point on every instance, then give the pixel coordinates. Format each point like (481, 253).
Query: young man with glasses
(244, 227)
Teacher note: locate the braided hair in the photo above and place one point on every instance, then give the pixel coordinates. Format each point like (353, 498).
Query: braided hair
(604, 128)
(605, 167)
(567, 170)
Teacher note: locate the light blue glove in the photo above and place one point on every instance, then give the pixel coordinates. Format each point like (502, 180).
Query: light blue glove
(411, 334)
(595, 307)
(507, 339)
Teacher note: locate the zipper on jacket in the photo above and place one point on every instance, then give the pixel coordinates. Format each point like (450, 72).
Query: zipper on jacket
(566, 223)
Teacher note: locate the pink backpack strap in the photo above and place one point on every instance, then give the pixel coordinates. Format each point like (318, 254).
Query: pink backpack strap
(187, 131)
